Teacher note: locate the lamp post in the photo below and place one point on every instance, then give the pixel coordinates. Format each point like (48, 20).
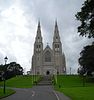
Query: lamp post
(4, 76)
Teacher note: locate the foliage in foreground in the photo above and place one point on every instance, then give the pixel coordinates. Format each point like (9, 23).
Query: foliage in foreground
(86, 60)
(86, 17)
(10, 70)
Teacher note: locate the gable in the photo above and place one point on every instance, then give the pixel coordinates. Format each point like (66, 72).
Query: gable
(47, 54)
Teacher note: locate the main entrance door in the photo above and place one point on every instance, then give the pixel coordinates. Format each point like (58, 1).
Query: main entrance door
(47, 73)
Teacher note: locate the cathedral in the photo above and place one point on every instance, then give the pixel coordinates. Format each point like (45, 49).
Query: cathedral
(48, 61)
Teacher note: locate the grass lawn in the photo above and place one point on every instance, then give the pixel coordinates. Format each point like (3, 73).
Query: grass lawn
(79, 93)
(72, 86)
(8, 92)
(20, 82)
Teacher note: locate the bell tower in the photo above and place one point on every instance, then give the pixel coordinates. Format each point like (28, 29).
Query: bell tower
(59, 58)
(38, 45)
(57, 46)
(38, 50)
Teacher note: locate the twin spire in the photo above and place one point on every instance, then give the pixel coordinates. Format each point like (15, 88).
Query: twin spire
(56, 31)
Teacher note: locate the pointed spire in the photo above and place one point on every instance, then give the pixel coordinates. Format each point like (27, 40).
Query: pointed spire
(56, 31)
(39, 30)
(38, 36)
(39, 24)
(56, 24)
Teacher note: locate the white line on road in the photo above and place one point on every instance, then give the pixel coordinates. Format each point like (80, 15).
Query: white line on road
(33, 93)
(56, 95)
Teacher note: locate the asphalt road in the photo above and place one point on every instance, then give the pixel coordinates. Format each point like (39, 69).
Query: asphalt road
(36, 93)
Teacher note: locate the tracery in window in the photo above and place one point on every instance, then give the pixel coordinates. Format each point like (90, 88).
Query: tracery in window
(47, 56)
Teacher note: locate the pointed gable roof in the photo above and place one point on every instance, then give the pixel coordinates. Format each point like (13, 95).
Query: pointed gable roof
(47, 49)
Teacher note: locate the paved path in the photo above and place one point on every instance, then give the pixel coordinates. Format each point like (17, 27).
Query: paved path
(37, 93)
(43, 91)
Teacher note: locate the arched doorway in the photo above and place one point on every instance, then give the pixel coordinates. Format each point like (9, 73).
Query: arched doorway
(47, 73)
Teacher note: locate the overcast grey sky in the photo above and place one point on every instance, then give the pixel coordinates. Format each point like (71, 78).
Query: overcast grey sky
(18, 25)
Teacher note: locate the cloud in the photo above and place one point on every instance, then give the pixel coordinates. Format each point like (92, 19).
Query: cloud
(15, 36)
(18, 25)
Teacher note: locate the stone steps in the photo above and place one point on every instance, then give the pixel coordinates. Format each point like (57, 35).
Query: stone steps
(46, 80)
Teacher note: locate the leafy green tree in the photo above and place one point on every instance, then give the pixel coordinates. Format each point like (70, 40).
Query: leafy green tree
(10, 70)
(86, 17)
(1, 68)
(87, 60)
(86, 28)
(15, 68)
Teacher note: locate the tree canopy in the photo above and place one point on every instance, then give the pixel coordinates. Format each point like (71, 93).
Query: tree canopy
(10, 70)
(86, 59)
(86, 28)
(86, 17)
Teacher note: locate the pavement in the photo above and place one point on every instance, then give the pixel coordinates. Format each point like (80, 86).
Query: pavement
(43, 91)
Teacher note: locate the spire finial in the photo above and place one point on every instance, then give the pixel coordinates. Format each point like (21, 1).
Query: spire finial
(56, 27)
(38, 29)
(39, 23)
(56, 22)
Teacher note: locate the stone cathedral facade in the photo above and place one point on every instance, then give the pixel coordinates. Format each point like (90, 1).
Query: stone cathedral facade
(48, 61)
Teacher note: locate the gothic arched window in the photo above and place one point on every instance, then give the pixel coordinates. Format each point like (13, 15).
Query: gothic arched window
(47, 56)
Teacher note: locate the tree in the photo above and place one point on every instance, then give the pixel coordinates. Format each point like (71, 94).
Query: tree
(86, 17)
(12, 69)
(1, 70)
(15, 68)
(87, 60)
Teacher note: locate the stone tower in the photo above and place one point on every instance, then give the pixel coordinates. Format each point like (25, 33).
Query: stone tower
(38, 50)
(48, 61)
(59, 58)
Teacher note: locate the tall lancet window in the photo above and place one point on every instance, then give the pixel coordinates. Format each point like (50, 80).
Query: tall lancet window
(47, 56)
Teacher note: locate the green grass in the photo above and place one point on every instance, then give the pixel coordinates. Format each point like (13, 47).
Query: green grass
(20, 82)
(69, 81)
(8, 92)
(79, 93)
(72, 86)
